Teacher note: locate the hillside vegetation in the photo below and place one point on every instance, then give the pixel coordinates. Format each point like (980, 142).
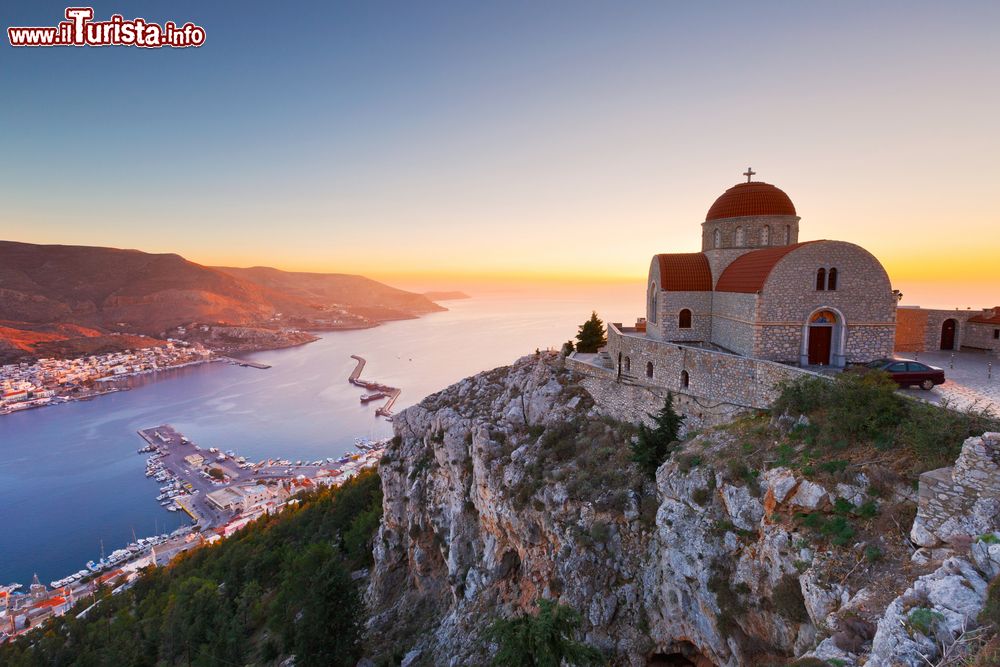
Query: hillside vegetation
(280, 587)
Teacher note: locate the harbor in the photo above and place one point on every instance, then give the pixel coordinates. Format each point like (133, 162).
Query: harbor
(220, 491)
(377, 391)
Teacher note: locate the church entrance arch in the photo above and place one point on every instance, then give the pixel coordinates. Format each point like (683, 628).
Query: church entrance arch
(948, 334)
(823, 339)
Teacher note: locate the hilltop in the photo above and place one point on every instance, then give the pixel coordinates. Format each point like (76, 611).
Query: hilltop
(55, 293)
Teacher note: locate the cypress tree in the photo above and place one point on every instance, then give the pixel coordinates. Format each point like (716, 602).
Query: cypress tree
(654, 444)
(591, 335)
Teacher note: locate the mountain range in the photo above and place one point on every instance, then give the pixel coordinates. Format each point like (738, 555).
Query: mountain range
(60, 292)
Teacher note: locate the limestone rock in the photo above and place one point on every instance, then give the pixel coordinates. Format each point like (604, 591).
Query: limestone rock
(809, 495)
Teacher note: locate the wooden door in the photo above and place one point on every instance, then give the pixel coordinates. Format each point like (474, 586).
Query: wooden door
(948, 335)
(820, 339)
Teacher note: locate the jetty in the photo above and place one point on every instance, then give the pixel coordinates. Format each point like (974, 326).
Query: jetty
(377, 390)
(247, 363)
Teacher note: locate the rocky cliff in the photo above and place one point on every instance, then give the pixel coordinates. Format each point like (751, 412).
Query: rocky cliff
(511, 485)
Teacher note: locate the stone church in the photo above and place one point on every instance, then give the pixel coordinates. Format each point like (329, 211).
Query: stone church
(757, 291)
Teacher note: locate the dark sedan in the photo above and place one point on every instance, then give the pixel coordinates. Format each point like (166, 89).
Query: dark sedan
(907, 373)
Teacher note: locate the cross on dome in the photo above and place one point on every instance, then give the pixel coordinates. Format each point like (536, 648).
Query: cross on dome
(749, 173)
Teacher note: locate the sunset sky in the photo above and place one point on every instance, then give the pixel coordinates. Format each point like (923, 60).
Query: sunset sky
(450, 144)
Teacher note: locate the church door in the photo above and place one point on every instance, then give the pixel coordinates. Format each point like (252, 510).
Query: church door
(948, 335)
(820, 339)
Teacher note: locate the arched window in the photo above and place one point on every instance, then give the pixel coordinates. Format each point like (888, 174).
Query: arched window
(718, 239)
(788, 234)
(684, 319)
(685, 379)
(831, 280)
(765, 236)
(740, 237)
(652, 303)
(628, 364)
(649, 369)
(821, 280)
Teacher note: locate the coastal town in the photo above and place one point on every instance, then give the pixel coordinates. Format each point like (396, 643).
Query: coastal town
(221, 492)
(53, 381)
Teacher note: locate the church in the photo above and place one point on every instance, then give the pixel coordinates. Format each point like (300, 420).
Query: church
(756, 291)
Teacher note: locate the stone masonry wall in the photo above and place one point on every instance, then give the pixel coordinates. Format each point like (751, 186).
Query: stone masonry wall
(863, 297)
(670, 306)
(981, 337)
(733, 315)
(963, 500)
(716, 377)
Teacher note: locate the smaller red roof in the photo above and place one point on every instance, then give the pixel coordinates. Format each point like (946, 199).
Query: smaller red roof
(685, 272)
(983, 319)
(51, 602)
(749, 272)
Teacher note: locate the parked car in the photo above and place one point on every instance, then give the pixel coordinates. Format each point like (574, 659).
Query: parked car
(907, 372)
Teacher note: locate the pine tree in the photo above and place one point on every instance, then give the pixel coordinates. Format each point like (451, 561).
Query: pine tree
(591, 335)
(653, 445)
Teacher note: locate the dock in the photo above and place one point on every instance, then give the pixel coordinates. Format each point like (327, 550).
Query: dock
(387, 392)
(247, 363)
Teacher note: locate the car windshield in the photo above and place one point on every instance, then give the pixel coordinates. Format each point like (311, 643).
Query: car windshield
(878, 363)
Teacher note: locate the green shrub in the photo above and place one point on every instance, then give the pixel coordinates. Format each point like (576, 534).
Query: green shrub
(924, 620)
(873, 553)
(990, 615)
(543, 639)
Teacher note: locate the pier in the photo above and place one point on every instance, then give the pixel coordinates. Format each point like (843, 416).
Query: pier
(387, 392)
(246, 363)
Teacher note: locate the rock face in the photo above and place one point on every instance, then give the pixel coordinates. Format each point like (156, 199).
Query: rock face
(510, 486)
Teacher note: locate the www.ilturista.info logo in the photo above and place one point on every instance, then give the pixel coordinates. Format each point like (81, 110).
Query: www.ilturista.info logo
(79, 29)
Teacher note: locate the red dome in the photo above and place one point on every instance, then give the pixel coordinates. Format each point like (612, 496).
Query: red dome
(756, 198)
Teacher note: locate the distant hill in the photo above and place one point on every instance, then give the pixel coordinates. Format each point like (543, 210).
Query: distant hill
(51, 293)
(446, 296)
(336, 288)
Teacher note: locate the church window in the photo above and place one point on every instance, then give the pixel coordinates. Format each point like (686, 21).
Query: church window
(996, 334)
(685, 379)
(821, 280)
(740, 237)
(718, 239)
(788, 234)
(652, 303)
(628, 364)
(831, 280)
(765, 236)
(649, 369)
(684, 319)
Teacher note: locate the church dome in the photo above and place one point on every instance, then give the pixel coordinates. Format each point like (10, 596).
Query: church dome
(751, 199)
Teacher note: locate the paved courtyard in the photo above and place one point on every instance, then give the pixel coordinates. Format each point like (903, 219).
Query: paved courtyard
(967, 383)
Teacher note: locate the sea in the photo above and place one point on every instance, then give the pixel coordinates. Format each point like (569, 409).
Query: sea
(72, 483)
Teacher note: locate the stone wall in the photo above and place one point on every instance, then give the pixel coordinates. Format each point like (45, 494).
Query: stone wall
(733, 315)
(961, 501)
(781, 228)
(670, 306)
(712, 377)
(979, 336)
(863, 298)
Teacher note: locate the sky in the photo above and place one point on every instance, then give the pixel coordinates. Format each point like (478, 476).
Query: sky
(458, 144)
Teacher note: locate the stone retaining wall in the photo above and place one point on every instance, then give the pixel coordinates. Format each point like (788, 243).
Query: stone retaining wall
(963, 500)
